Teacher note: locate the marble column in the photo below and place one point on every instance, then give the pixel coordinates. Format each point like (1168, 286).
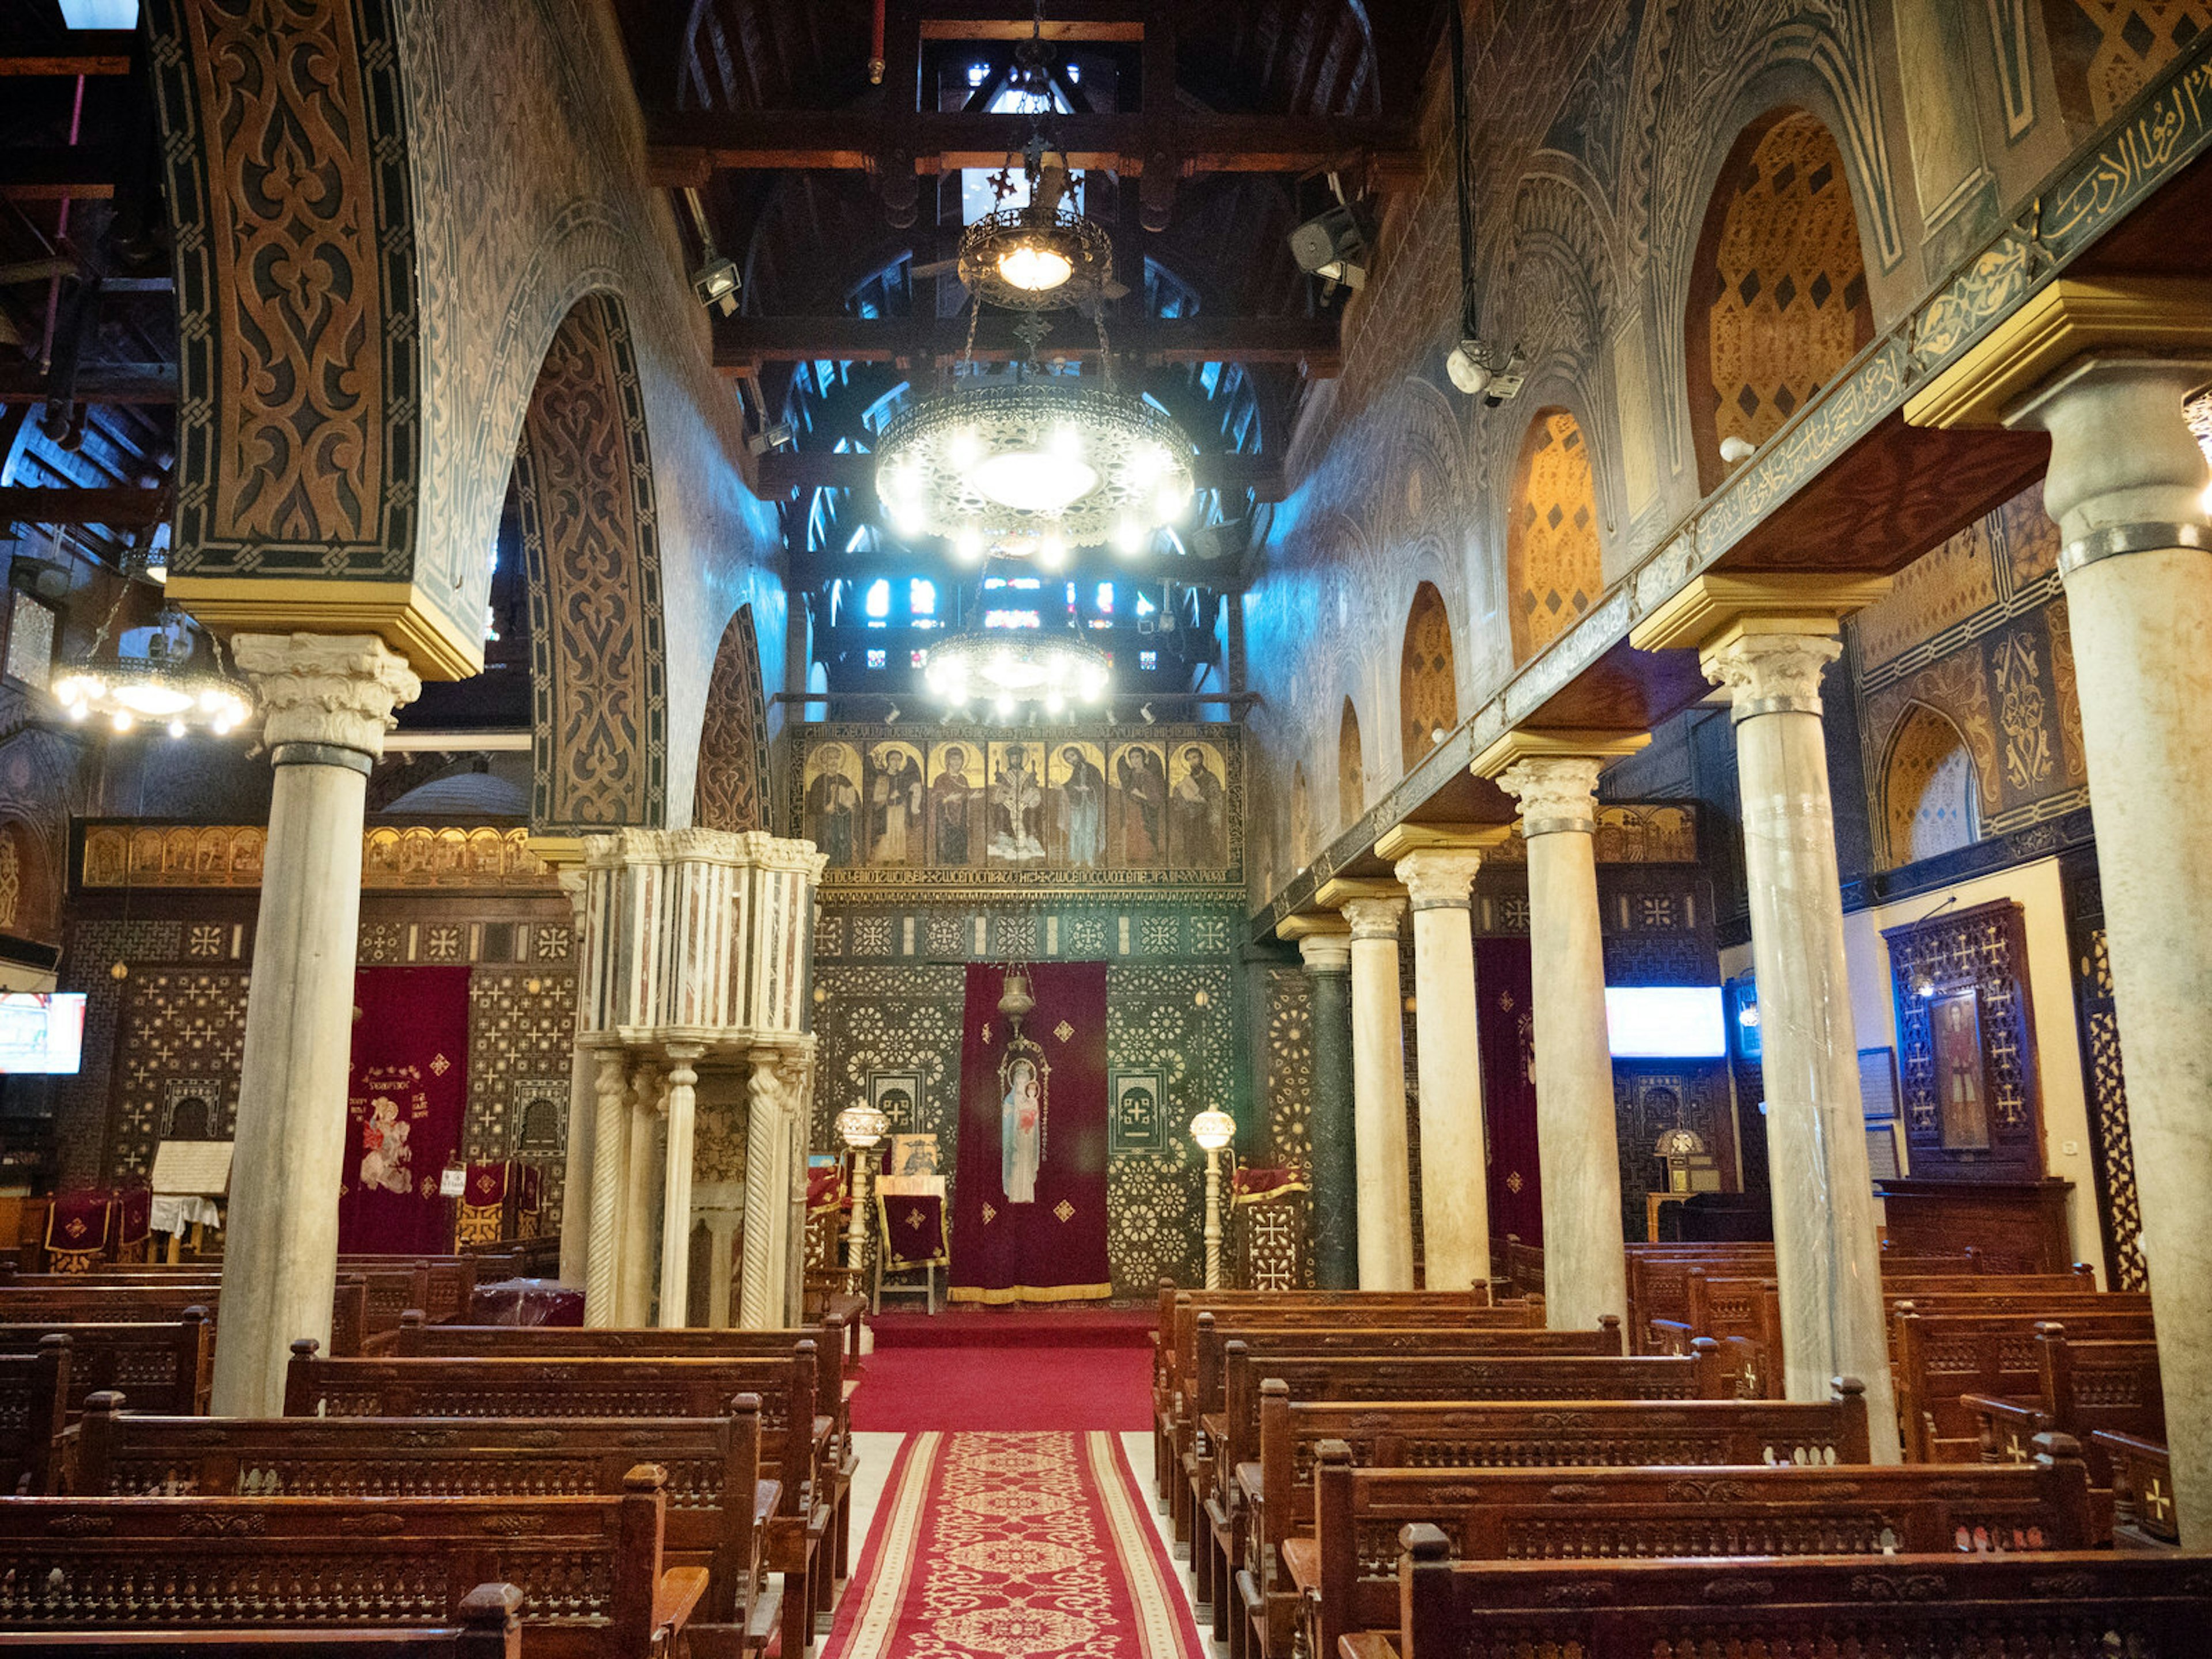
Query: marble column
(2127, 485)
(1378, 1082)
(327, 701)
(1437, 869)
(722, 1206)
(609, 1185)
(1578, 1131)
(763, 1280)
(1768, 641)
(676, 1188)
(1325, 946)
(583, 1122)
(639, 1224)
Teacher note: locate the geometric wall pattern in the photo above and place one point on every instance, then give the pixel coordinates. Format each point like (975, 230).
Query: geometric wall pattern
(2103, 51)
(1931, 797)
(521, 1049)
(1783, 300)
(2112, 1145)
(1554, 566)
(1289, 1075)
(1428, 692)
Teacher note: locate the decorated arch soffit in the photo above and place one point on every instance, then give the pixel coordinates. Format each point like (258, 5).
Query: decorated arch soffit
(599, 669)
(733, 756)
(300, 419)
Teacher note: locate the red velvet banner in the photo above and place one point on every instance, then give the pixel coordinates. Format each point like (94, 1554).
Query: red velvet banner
(1505, 1002)
(406, 1095)
(1029, 1202)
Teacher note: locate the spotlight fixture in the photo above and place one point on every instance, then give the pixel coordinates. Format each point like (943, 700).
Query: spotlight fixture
(1331, 245)
(779, 436)
(716, 284)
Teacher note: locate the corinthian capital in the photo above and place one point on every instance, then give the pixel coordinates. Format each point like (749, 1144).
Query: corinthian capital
(337, 689)
(1556, 792)
(1435, 878)
(1771, 673)
(1374, 918)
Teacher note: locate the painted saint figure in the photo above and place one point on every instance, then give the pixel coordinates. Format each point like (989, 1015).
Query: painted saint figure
(952, 801)
(1144, 788)
(832, 803)
(895, 807)
(386, 1156)
(1015, 798)
(1198, 813)
(1965, 1113)
(1083, 808)
(1020, 1134)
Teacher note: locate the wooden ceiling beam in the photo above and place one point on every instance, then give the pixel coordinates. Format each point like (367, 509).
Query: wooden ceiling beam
(742, 344)
(100, 383)
(45, 172)
(120, 507)
(689, 148)
(89, 51)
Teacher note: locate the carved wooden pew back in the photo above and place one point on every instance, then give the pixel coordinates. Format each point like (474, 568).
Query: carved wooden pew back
(2082, 1387)
(34, 1394)
(170, 1363)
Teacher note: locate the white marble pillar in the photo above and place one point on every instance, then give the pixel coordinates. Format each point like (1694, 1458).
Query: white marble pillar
(641, 1212)
(1455, 1184)
(1378, 1087)
(327, 702)
(609, 1186)
(583, 1123)
(1827, 1251)
(676, 1189)
(1578, 1134)
(2127, 485)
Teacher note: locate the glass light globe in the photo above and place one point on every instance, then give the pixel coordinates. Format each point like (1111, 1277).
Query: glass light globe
(1031, 481)
(1035, 268)
(1213, 1130)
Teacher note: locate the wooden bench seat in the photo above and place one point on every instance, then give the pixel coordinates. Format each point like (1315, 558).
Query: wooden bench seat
(718, 1507)
(168, 1363)
(1520, 1434)
(2082, 1387)
(488, 1626)
(1346, 1574)
(590, 1568)
(1938, 1359)
(63, 1299)
(2066, 1602)
(2144, 1515)
(34, 1394)
(794, 1439)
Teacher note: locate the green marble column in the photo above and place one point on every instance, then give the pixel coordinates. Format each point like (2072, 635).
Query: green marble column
(1335, 1199)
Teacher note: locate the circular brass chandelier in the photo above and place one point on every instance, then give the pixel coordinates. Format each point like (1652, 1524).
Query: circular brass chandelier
(1041, 257)
(1010, 670)
(158, 676)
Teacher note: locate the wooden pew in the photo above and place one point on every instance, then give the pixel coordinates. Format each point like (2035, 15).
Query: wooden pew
(34, 1394)
(1938, 1359)
(2080, 1386)
(2144, 1515)
(718, 1506)
(1346, 1574)
(2065, 1603)
(1523, 1365)
(1658, 1277)
(60, 1299)
(416, 1339)
(794, 1441)
(1520, 1434)
(170, 1364)
(590, 1568)
(487, 1625)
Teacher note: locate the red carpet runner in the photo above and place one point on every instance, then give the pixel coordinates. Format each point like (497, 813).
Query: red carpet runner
(1012, 1544)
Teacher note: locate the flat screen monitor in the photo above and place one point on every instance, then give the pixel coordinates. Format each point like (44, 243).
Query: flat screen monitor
(1665, 1022)
(41, 1031)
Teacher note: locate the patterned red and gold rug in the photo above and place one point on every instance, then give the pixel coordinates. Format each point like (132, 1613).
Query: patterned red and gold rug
(1032, 1545)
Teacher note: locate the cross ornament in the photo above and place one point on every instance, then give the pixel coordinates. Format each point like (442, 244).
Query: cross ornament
(2156, 1499)
(2014, 1449)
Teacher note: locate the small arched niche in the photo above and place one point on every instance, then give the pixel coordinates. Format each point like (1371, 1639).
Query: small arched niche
(1428, 689)
(1351, 767)
(1301, 818)
(1931, 794)
(1554, 565)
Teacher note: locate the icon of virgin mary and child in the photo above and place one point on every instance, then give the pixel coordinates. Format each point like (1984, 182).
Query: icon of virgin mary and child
(1021, 1129)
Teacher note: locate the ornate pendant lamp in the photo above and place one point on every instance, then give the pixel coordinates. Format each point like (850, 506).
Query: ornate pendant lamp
(1034, 464)
(1011, 672)
(169, 675)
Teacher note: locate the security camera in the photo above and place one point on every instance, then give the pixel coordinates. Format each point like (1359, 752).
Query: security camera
(1468, 365)
(716, 284)
(1735, 450)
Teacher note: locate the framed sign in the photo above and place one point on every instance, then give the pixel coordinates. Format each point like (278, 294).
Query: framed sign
(915, 1155)
(1138, 1112)
(897, 1095)
(1882, 1151)
(1878, 1084)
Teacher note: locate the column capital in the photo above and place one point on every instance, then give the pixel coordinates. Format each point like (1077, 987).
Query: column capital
(329, 691)
(1709, 611)
(1440, 878)
(1558, 793)
(683, 1056)
(1327, 953)
(1771, 673)
(1375, 918)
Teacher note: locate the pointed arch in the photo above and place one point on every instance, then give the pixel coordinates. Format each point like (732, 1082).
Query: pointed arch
(1931, 792)
(731, 791)
(1778, 299)
(1554, 562)
(1351, 767)
(1428, 685)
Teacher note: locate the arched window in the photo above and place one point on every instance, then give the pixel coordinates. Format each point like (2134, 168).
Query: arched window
(1428, 692)
(1350, 768)
(1931, 795)
(1554, 567)
(1777, 293)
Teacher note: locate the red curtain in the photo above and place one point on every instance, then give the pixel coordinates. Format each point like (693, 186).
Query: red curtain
(1504, 999)
(1052, 1249)
(406, 1095)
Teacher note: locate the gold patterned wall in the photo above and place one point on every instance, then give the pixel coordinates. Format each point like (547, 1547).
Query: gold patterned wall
(2103, 51)
(1428, 688)
(1554, 566)
(1780, 295)
(1351, 767)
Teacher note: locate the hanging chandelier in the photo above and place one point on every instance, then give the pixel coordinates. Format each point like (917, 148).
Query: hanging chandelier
(1032, 465)
(1013, 672)
(155, 676)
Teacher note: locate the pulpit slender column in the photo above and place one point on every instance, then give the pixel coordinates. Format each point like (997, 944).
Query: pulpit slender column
(1768, 641)
(676, 1192)
(1585, 1258)
(1375, 910)
(328, 699)
(1325, 945)
(1438, 868)
(610, 1184)
(640, 1201)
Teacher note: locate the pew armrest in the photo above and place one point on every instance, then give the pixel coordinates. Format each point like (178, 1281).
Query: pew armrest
(1302, 1555)
(674, 1597)
(1366, 1644)
(766, 1495)
(1251, 1484)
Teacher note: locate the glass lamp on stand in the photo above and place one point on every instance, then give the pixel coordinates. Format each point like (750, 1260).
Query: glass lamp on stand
(1212, 1130)
(860, 1127)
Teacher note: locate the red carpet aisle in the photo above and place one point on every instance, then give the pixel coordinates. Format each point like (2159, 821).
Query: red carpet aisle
(1012, 1544)
(905, 1390)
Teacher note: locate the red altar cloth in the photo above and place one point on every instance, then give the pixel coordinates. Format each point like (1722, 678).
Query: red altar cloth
(405, 1099)
(1052, 1249)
